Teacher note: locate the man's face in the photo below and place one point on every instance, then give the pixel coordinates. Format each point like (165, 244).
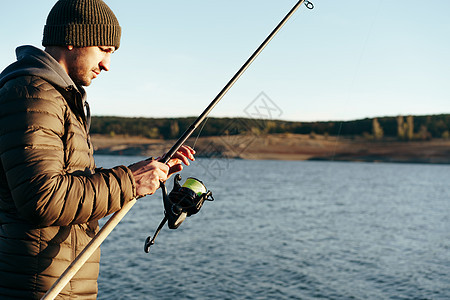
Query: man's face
(86, 63)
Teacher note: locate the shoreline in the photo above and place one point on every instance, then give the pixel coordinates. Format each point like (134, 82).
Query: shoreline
(286, 147)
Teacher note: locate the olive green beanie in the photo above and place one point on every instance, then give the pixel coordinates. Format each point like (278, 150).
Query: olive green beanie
(81, 23)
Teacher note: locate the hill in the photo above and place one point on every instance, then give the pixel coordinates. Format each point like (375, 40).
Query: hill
(286, 147)
(418, 139)
(404, 128)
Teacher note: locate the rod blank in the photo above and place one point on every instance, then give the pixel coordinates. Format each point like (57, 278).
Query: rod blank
(232, 81)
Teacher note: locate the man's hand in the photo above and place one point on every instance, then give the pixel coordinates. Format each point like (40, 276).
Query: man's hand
(183, 155)
(148, 173)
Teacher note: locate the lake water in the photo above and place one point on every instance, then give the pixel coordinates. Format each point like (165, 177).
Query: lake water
(290, 230)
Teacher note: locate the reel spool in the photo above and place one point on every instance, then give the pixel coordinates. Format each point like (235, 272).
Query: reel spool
(183, 201)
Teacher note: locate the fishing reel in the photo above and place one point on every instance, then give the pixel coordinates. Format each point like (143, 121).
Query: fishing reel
(183, 201)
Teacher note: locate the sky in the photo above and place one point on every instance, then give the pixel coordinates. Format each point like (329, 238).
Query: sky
(343, 60)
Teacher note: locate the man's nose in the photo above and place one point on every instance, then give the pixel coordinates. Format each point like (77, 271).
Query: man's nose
(105, 62)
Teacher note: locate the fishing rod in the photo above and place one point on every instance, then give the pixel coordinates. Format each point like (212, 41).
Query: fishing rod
(115, 219)
(180, 202)
(233, 80)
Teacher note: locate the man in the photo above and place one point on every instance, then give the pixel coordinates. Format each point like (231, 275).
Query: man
(51, 194)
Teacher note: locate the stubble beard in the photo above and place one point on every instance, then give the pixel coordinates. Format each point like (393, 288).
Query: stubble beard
(79, 70)
(81, 77)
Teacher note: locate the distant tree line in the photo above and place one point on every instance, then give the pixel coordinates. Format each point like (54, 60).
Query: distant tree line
(401, 127)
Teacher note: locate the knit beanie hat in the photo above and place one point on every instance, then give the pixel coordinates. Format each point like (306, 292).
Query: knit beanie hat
(81, 23)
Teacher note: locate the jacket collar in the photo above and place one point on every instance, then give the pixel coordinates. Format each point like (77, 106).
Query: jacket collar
(32, 61)
(36, 62)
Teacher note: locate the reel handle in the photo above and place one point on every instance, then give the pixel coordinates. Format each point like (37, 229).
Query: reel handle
(151, 241)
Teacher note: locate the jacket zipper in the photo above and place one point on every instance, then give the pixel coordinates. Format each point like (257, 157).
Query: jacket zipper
(74, 242)
(85, 117)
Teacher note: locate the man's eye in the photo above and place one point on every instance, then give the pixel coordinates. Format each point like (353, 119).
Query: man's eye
(106, 50)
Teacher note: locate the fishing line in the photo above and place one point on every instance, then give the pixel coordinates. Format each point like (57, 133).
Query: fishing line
(364, 46)
(336, 141)
(357, 70)
(200, 131)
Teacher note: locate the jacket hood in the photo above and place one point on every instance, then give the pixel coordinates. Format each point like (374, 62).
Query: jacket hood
(36, 62)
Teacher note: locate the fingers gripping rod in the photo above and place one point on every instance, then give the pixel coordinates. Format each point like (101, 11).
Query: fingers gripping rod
(87, 252)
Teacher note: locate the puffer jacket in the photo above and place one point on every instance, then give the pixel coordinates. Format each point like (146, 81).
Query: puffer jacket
(51, 195)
